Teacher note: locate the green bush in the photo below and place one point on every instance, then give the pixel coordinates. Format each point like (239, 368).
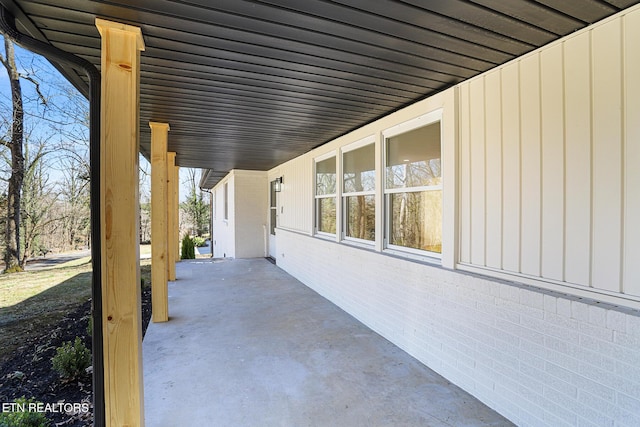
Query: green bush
(14, 269)
(71, 360)
(199, 241)
(188, 249)
(17, 418)
(90, 326)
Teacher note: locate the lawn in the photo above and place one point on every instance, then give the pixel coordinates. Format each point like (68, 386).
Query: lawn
(32, 301)
(39, 311)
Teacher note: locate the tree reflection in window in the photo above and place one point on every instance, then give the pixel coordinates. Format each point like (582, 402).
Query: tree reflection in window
(413, 189)
(359, 184)
(325, 196)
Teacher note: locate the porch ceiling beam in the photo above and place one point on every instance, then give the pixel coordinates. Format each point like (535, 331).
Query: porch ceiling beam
(159, 221)
(122, 325)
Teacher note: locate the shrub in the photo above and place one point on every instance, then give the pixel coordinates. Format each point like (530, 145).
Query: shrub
(71, 360)
(90, 326)
(199, 241)
(188, 249)
(14, 269)
(19, 418)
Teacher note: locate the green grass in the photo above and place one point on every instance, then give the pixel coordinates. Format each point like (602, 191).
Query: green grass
(33, 301)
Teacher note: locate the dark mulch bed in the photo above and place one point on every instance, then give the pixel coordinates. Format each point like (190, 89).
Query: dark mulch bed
(29, 373)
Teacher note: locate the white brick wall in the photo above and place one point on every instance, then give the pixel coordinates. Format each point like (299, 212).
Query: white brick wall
(537, 357)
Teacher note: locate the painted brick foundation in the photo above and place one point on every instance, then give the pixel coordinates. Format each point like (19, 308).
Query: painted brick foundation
(537, 357)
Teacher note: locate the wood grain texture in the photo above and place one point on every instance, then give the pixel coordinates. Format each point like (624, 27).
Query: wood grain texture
(119, 148)
(172, 221)
(159, 221)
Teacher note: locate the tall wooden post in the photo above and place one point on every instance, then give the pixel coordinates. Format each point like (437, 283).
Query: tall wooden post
(171, 211)
(176, 203)
(159, 227)
(120, 246)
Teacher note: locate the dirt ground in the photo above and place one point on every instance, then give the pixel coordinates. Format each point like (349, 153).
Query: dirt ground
(28, 372)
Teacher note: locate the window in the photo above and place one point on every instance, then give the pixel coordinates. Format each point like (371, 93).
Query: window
(226, 200)
(214, 207)
(413, 189)
(273, 208)
(359, 185)
(326, 195)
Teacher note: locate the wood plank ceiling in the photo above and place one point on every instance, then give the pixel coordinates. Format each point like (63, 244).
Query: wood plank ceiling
(249, 84)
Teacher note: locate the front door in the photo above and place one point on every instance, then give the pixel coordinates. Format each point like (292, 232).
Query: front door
(273, 218)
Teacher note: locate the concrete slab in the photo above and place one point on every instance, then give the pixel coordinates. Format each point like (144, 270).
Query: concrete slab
(248, 345)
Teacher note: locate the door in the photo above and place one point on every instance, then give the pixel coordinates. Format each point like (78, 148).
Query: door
(273, 218)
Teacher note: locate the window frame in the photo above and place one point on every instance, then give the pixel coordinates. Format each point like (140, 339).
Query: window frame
(334, 195)
(369, 140)
(273, 208)
(226, 200)
(399, 129)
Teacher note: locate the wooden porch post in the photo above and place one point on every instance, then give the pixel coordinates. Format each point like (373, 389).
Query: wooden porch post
(176, 203)
(171, 210)
(159, 227)
(120, 246)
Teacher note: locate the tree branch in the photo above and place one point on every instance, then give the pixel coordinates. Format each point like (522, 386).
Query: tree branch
(35, 83)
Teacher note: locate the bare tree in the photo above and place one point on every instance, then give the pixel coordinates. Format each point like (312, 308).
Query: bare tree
(195, 209)
(58, 118)
(74, 196)
(12, 257)
(36, 201)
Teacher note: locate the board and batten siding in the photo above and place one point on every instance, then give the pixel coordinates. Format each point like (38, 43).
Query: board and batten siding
(549, 162)
(295, 201)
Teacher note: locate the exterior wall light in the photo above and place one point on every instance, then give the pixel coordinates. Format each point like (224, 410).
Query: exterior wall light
(278, 186)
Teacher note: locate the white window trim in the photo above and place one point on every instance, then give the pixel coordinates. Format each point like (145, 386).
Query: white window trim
(404, 127)
(225, 197)
(413, 189)
(316, 222)
(409, 125)
(369, 140)
(322, 157)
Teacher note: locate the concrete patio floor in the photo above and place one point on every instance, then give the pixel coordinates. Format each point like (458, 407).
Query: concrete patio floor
(249, 345)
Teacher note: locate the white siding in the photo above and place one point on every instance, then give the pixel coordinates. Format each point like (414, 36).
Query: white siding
(493, 169)
(607, 155)
(295, 210)
(552, 103)
(577, 77)
(222, 230)
(547, 144)
(251, 201)
(477, 154)
(243, 233)
(631, 150)
(511, 182)
(530, 166)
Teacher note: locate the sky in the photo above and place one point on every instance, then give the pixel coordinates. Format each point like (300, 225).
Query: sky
(50, 81)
